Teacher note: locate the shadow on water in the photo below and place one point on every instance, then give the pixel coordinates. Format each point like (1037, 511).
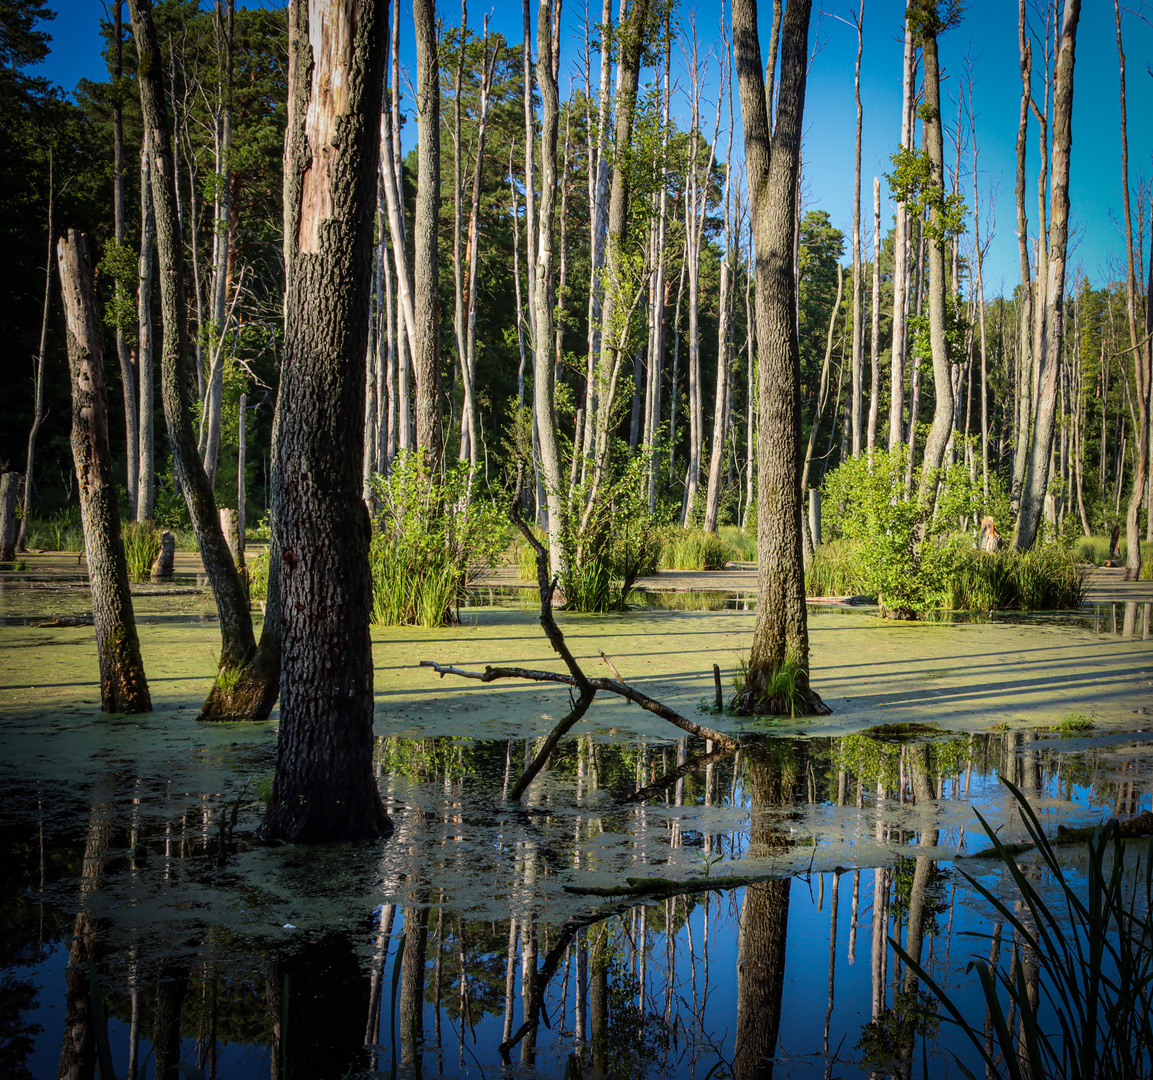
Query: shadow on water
(143, 916)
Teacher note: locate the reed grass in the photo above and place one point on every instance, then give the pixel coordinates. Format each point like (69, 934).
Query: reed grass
(1046, 578)
(695, 549)
(836, 569)
(743, 544)
(1076, 998)
(141, 548)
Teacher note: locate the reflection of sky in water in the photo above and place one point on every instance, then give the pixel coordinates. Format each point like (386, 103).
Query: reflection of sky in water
(477, 861)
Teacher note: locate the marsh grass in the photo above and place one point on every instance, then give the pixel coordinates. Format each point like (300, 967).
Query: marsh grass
(1095, 550)
(836, 569)
(141, 548)
(1083, 1005)
(695, 549)
(744, 545)
(781, 695)
(1046, 578)
(60, 532)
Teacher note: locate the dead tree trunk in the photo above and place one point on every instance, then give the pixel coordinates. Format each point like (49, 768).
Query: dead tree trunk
(325, 788)
(123, 686)
(146, 498)
(1037, 481)
(901, 257)
(772, 155)
(9, 494)
(244, 690)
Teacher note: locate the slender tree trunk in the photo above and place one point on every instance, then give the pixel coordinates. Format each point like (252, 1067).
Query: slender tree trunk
(41, 364)
(901, 254)
(942, 426)
(123, 686)
(772, 158)
(1037, 480)
(147, 478)
(325, 788)
(875, 327)
(426, 302)
(252, 694)
(858, 280)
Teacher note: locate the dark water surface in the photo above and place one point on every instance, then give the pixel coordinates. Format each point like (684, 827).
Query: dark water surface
(410, 955)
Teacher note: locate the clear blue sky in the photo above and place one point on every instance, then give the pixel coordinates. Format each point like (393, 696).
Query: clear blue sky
(987, 35)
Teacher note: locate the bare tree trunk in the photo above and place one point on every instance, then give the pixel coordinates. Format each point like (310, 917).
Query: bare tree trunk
(41, 363)
(931, 126)
(724, 303)
(544, 372)
(123, 686)
(858, 281)
(773, 162)
(426, 303)
(875, 327)
(325, 788)
(1037, 481)
(901, 254)
(147, 477)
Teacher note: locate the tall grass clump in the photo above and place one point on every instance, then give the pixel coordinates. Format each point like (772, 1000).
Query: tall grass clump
(695, 549)
(743, 544)
(60, 532)
(1075, 999)
(432, 535)
(141, 548)
(1046, 578)
(836, 569)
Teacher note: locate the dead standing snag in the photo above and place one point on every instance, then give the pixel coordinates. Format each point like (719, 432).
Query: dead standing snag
(586, 687)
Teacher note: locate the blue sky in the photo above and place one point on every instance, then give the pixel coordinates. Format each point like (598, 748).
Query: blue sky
(987, 36)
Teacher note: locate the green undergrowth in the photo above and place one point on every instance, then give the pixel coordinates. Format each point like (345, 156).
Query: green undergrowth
(695, 549)
(141, 548)
(432, 535)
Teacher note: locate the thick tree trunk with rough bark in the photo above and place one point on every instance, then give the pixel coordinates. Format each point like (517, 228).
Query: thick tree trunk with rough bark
(9, 495)
(245, 689)
(123, 687)
(426, 302)
(1052, 339)
(325, 788)
(772, 156)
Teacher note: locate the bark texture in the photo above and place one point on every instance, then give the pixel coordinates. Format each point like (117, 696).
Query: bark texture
(772, 156)
(243, 690)
(325, 788)
(123, 687)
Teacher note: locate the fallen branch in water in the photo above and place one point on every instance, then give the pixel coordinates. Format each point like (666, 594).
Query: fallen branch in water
(575, 677)
(654, 886)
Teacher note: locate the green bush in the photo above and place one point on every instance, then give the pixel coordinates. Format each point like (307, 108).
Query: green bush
(141, 548)
(430, 539)
(906, 562)
(695, 549)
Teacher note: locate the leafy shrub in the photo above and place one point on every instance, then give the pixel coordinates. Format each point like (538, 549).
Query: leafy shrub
(141, 548)
(695, 549)
(430, 539)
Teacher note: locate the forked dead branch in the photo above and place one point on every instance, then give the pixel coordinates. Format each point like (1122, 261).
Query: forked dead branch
(575, 677)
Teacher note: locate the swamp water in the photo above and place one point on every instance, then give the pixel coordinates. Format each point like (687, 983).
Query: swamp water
(133, 867)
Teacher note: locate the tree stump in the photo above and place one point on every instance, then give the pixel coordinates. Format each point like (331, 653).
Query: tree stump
(9, 525)
(162, 567)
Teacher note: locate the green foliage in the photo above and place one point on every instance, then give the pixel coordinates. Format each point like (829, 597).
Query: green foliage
(431, 537)
(610, 542)
(60, 532)
(257, 570)
(141, 548)
(695, 549)
(1045, 578)
(744, 544)
(911, 182)
(1079, 991)
(780, 694)
(119, 264)
(1075, 723)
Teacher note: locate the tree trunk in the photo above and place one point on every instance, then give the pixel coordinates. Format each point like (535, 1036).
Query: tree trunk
(858, 280)
(325, 788)
(931, 126)
(123, 687)
(9, 495)
(41, 363)
(781, 635)
(901, 255)
(251, 695)
(146, 499)
(426, 299)
(1037, 481)
(875, 327)
(544, 373)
